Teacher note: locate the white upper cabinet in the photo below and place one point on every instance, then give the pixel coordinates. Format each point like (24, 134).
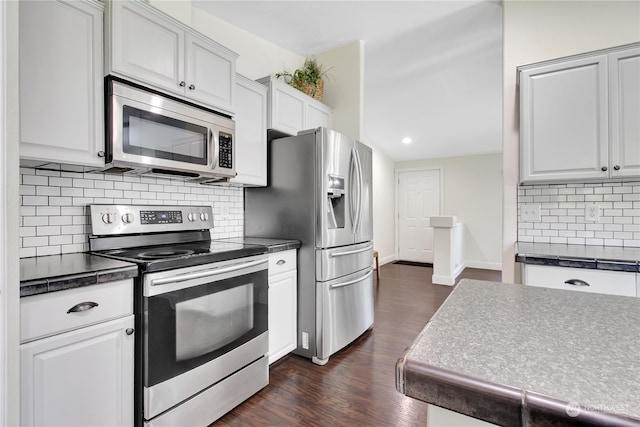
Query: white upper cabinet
(578, 117)
(61, 81)
(290, 110)
(624, 104)
(251, 132)
(149, 47)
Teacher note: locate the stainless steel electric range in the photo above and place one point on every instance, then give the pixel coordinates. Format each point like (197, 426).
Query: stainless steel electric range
(200, 308)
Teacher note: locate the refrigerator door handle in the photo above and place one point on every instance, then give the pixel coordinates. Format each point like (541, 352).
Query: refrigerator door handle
(353, 172)
(360, 187)
(353, 282)
(355, 251)
(356, 218)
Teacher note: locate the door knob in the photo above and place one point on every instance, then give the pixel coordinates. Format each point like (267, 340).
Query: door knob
(604, 169)
(616, 167)
(192, 87)
(182, 84)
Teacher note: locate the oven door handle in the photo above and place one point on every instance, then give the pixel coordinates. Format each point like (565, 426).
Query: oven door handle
(205, 273)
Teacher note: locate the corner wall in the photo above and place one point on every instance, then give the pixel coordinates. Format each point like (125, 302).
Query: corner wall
(536, 31)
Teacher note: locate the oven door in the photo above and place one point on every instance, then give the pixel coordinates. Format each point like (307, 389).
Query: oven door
(201, 324)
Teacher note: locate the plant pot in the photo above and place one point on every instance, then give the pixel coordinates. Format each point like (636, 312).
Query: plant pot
(316, 91)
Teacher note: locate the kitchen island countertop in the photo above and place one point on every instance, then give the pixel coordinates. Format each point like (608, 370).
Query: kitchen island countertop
(523, 355)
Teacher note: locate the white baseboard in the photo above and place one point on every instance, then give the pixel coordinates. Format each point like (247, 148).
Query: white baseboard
(483, 265)
(387, 259)
(439, 279)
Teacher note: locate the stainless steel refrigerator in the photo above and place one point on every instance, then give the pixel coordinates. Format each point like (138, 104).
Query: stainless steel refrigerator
(319, 192)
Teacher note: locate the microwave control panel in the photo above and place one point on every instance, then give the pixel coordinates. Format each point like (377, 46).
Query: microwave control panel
(225, 155)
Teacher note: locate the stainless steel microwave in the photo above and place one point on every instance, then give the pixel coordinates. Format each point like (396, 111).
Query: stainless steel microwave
(152, 133)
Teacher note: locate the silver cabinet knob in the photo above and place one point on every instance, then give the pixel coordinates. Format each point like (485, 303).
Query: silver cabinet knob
(127, 218)
(192, 87)
(129, 331)
(604, 169)
(182, 84)
(616, 167)
(101, 154)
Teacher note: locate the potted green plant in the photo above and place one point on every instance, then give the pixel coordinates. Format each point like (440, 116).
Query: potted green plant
(308, 79)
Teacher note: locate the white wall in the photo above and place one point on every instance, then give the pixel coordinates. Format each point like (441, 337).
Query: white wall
(472, 192)
(257, 57)
(539, 30)
(384, 191)
(344, 87)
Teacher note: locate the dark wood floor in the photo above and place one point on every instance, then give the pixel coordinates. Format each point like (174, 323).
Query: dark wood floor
(357, 386)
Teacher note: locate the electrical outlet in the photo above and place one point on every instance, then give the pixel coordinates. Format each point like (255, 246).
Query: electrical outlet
(305, 340)
(530, 212)
(592, 213)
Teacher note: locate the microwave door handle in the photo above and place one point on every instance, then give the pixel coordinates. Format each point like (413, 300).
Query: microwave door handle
(213, 143)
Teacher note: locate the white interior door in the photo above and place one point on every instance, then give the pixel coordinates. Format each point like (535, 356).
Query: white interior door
(418, 200)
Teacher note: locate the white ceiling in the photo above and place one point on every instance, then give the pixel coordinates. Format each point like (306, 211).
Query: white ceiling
(433, 69)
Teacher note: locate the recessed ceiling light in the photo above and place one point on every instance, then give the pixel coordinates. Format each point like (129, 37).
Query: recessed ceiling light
(406, 140)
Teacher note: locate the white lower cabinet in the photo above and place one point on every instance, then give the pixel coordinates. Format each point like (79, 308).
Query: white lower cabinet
(83, 376)
(283, 302)
(581, 279)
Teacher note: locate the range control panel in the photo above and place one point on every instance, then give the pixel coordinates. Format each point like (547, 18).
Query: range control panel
(130, 219)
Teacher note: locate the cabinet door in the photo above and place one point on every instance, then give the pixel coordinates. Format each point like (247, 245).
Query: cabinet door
(564, 137)
(61, 82)
(79, 378)
(624, 92)
(146, 46)
(287, 109)
(251, 132)
(317, 115)
(282, 314)
(210, 72)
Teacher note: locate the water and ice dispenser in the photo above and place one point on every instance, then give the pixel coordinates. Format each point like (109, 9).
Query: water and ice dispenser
(336, 204)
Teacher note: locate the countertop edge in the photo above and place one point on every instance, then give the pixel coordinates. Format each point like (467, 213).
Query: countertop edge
(491, 402)
(496, 403)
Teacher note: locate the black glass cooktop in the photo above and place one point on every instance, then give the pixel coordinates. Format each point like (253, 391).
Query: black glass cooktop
(164, 257)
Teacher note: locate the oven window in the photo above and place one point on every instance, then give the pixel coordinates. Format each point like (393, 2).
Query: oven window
(186, 328)
(154, 135)
(210, 322)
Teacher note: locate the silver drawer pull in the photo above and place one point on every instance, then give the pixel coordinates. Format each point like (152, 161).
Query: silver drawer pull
(83, 306)
(281, 262)
(576, 282)
(355, 251)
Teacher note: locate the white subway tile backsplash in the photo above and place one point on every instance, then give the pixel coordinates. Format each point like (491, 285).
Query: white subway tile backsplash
(54, 213)
(563, 212)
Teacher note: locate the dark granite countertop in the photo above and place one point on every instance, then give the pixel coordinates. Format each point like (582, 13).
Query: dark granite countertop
(273, 245)
(523, 355)
(579, 256)
(58, 272)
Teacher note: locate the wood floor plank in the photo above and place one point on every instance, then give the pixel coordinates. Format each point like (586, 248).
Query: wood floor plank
(357, 385)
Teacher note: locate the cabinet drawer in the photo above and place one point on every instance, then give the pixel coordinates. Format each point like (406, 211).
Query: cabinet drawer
(279, 262)
(47, 314)
(599, 281)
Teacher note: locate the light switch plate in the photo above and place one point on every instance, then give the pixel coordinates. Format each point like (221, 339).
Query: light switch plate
(530, 212)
